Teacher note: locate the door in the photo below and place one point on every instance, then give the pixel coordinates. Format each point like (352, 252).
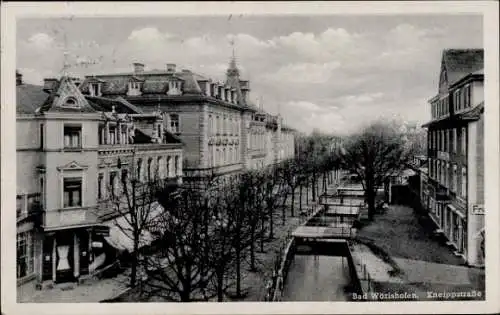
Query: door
(84, 252)
(48, 242)
(64, 258)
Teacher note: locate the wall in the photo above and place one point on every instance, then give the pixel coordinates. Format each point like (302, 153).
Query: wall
(477, 93)
(190, 132)
(475, 195)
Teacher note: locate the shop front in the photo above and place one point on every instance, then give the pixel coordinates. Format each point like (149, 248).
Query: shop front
(69, 254)
(69, 249)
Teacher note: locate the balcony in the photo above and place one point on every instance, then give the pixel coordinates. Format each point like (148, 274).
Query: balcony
(129, 149)
(70, 218)
(33, 212)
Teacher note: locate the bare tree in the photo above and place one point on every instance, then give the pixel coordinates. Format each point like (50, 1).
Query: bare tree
(132, 202)
(289, 172)
(181, 269)
(375, 154)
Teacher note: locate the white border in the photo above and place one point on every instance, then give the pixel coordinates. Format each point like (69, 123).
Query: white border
(11, 11)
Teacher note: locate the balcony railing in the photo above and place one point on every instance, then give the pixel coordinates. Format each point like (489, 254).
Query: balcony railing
(70, 217)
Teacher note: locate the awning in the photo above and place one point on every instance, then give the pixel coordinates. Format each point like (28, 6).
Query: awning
(121, 232)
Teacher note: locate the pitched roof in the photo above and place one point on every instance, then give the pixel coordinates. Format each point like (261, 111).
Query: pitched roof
(29, 97)
(106, 104)
(190, 84)
(461, 62)
(61, 91)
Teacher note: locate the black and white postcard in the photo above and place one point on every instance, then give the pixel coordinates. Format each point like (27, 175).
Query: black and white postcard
(250, 157)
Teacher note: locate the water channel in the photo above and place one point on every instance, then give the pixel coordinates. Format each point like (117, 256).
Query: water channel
(317, 278)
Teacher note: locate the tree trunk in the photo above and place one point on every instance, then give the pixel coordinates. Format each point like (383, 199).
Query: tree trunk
(262, 229)
(283, 209)
(370, 199)
(314, 188)
(185, 296)
(220, 284)
(238, 269)
(307, 191)
(133, 271)
(252, 248)
(271, 222)
(300, 198)
(293, 202)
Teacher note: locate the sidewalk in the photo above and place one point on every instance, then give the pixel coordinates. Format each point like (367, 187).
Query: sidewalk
(426, 264)
(91, 291)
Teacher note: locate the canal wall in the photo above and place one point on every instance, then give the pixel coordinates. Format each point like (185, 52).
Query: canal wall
(361, 279)
(286, 261)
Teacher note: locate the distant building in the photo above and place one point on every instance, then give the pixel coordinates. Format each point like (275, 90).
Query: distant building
(223, 132)
(455, 188)
(72, 151)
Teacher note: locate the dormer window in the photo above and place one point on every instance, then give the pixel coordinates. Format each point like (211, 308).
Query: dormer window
(174, 88)
(71, 102)
(134, 88)
(95, 89)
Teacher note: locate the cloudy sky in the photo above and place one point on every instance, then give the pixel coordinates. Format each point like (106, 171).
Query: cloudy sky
(333, 73)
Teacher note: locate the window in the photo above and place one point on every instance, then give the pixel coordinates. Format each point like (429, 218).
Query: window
(463, 190)
(95, 89)
(454, 140)
(100, 180)
(42, 138)
(176, 159)
(72, 192)
(446, 141)
(124, 176)
(71, 102)
(169, 167)
(443, 140)
(454, 184)
(42, 189)
(210, 125)
(101, 134)
(112, 134)
(468, 96)
(124, 138)
(72, 136)
(464, 141)
(139, 169)
(20, 207)
(160, 167)
(150, 169)
(112, 183)
(174, 123)
(25, 254)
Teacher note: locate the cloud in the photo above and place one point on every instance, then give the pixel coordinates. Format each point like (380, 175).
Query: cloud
(34, 76)
(328, 77)
(40, 41)
(308, 73)
(147, 34)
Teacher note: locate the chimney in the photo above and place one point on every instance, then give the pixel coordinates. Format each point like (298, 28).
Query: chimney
(171, 67)
(19, 78)
(138, 67)
(49, 84)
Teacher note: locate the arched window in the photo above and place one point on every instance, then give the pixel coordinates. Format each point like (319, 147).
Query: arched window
(71, 102)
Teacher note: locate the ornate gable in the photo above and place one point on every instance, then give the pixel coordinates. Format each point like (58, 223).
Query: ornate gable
(67, 98)
(72, 166)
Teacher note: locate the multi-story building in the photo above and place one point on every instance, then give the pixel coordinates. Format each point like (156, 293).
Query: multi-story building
(73, 151)
(455, 188)
(222, 130)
